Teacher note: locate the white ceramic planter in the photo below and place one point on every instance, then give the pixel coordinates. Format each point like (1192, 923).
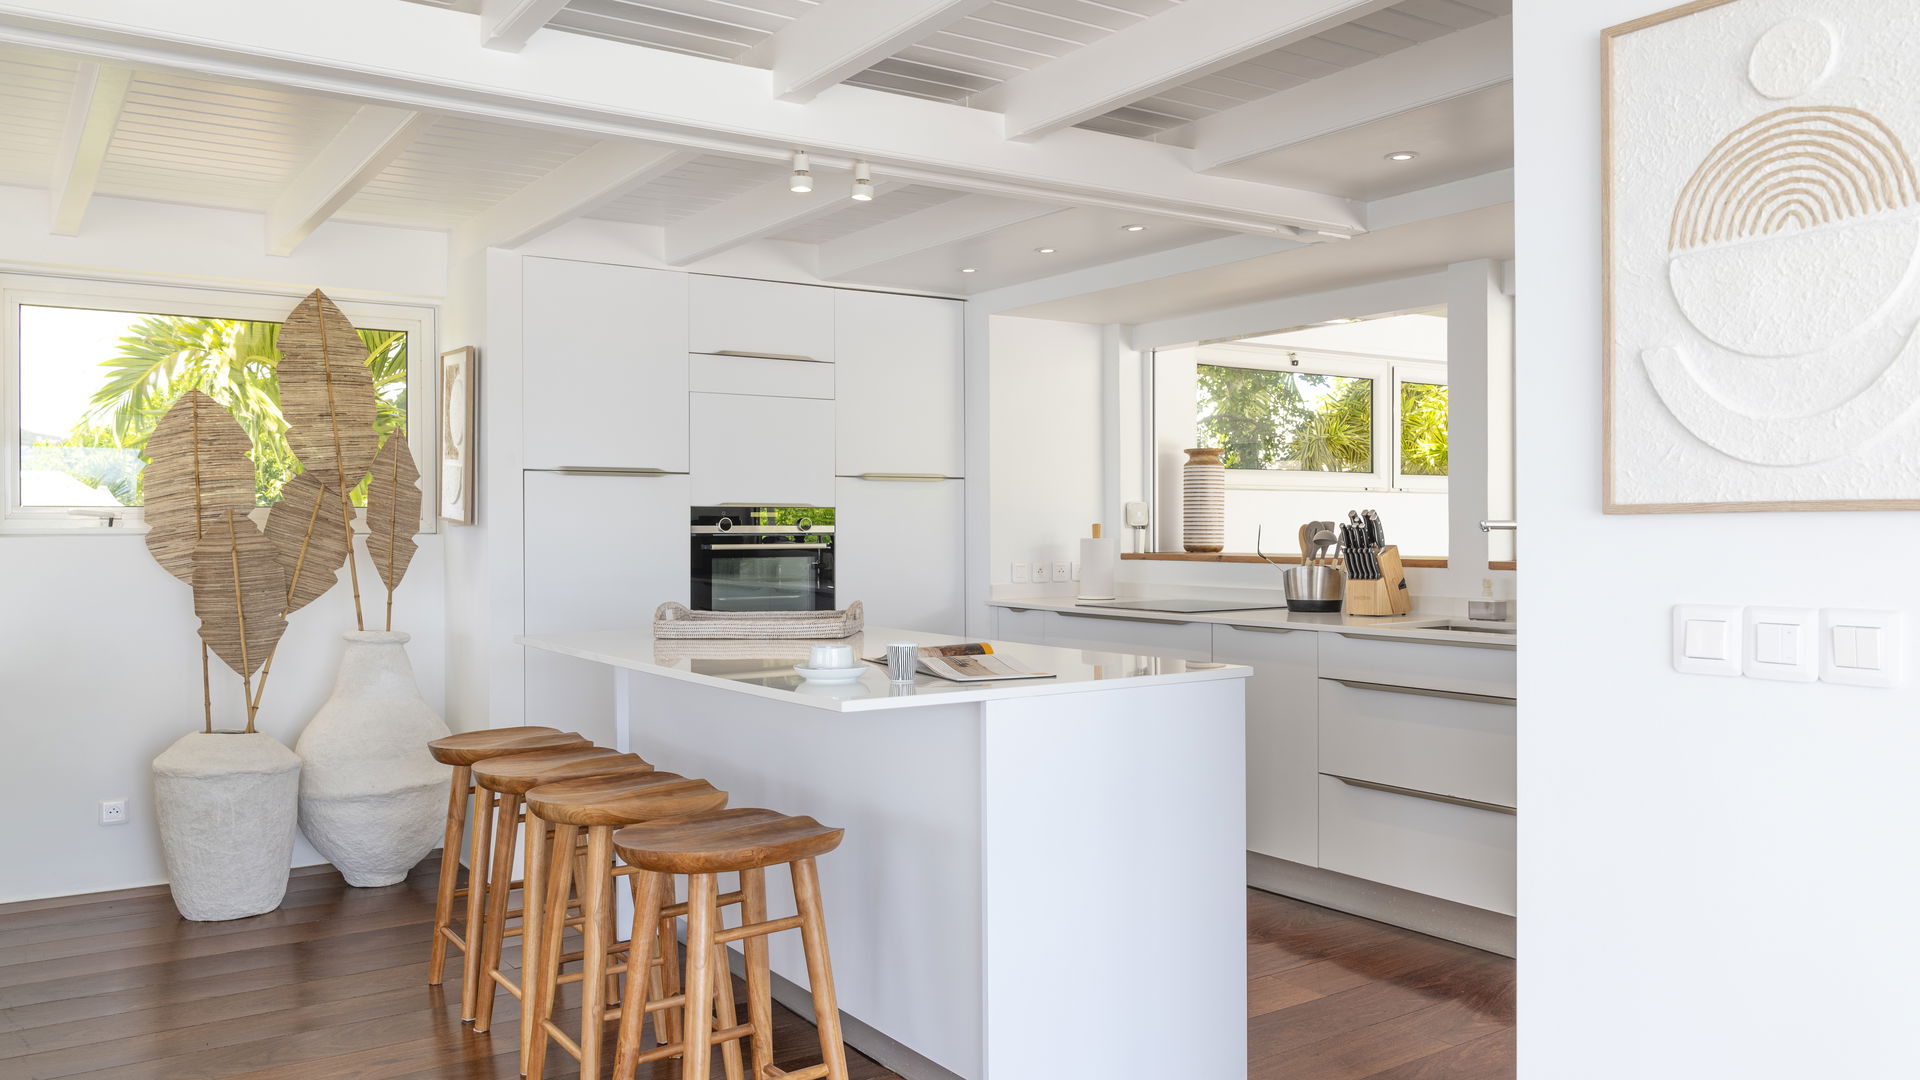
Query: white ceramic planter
(372, 800)
(225, 806)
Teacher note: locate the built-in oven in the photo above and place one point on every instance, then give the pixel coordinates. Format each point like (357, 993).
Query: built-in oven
(762, 558)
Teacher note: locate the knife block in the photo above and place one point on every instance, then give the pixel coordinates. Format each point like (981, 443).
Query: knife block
(1385, 595)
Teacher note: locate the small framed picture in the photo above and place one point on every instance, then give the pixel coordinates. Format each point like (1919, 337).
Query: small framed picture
(459, 407)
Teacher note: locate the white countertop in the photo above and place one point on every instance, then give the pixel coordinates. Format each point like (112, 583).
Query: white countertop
(764, 668)
(1416, 626)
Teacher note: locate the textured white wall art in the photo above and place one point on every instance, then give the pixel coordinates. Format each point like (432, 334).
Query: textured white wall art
(1762, 241)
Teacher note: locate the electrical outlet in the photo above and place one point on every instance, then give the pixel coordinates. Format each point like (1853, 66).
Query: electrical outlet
(113, 812)
(1062, 571)
(1022, 573)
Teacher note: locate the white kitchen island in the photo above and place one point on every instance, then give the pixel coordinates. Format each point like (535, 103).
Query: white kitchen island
(1041, 878)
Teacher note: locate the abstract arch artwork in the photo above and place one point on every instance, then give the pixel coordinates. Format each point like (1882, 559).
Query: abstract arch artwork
(1762, 233)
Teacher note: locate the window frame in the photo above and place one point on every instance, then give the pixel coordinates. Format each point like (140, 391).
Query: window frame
(1426, 374)
(261, 303)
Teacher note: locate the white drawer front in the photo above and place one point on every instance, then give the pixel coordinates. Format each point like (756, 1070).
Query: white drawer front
(1145, 637)
(1432, 665)
(759, 375)
(1020, 624)
(1428, 740)
(1457, 853)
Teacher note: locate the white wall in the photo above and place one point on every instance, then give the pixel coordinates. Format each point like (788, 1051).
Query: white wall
(99, 660)
(1046, 443)
(1717, 876)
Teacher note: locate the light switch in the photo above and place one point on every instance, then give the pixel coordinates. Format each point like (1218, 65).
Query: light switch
(1861, 648)
(1706, 640)
(1779, 644)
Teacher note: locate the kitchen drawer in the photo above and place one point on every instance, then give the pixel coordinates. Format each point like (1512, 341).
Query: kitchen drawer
(761, 318)
(1459, 853)
(1466, 667)
(1143, 637)
(759, 375)
(748, 450)
(1020, 624)
(1427, 740)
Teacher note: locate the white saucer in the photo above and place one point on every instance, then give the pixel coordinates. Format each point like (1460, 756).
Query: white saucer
(831, 674)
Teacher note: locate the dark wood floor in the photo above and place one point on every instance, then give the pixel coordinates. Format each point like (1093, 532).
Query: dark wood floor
(332, 985)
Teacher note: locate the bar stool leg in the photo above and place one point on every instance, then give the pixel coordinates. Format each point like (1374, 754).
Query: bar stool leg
(459, 790)
(477, 852)
(648, 900)
(753, 888)
(532, 900)
(593, 984)
(723, 1000)
(670, 970)
(499, 890)
(697, 1061)
(813, 937)
(553, 930)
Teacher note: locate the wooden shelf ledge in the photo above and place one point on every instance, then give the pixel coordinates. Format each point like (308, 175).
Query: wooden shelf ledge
(1290, 560)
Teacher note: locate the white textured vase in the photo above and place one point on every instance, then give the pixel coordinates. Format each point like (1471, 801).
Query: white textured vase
(372, 799)
(225, 803)
(1203, 501)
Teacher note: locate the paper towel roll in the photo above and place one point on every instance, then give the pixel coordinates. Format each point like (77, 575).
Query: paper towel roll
(1099, 560)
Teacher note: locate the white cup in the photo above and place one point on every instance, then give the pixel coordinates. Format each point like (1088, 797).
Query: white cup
(830, 656)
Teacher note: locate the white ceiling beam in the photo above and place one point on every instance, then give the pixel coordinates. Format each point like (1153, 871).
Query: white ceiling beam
(507, 24)
(1177, 46)
(948, 223)
(1441, 200)
(599, 173)
(99, 91)
(760, 213)
(833, 41)
(371, 138)
(424, 59)
(1447, 67)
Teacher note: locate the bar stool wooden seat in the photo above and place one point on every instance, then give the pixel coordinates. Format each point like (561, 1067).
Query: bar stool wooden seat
(461, 751)
(509, 778)
(597, 806)
(746, 841)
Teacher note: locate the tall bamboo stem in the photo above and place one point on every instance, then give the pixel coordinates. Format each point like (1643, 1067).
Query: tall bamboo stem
(393, 542)
(240, 613)
(340, 469)
(299, 564)
(199, 534)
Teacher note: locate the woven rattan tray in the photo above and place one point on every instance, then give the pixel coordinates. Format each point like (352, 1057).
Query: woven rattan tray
(673, 620)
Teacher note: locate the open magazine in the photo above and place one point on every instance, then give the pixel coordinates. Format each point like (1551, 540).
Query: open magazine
(973, 662)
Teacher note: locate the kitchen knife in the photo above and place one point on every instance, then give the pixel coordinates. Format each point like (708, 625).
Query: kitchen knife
(1378, 530)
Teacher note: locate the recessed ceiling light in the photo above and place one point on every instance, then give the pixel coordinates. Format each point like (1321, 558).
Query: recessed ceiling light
(1402, 155)
(1133, 228)
(969, 269)
(1045, 251)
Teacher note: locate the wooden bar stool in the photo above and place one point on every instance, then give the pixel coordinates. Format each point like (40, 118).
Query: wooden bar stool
(510, 778)
(461, 751)
(746, 841)
(597, 805)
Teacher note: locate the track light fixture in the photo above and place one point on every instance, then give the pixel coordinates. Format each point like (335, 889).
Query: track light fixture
(802, 178)
(862, 182)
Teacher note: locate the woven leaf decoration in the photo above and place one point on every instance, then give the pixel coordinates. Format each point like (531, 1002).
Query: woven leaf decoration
(393, 510)
(304, 529)
(326, 394)
(238, 591)
(197, 469)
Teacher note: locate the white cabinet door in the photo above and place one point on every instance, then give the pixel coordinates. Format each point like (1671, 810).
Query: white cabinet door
(1283, 738)
(1020, 624)
(605, 376)
(1124, 634)
(602, 552)
(1411, 841)
(764, 318)
(900, 361)
(762, 451)
(898, 548)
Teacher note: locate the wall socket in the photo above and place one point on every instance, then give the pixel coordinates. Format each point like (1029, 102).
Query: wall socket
(1062, 571)
(113, 812)
(1022, 573)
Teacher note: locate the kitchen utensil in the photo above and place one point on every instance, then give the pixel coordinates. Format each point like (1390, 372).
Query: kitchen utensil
(1324, 541)
(903, 661)
(830, 656)
(1314, 588)
(1306, 542)
(1377, 531)
(830, 674)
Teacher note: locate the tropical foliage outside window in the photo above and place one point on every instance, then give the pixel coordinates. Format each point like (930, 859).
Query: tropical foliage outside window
(156, 359)
(1286, 420)
(1423, 429)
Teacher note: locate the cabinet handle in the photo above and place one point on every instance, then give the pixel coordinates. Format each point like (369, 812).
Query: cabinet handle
(1119, 618)
(596, 470)
(1450, 695)
(1506, 645)
(1265, 629)
(765, 547)
(902, 477)
(767, 356)
(1021, 610)
(1451, 800)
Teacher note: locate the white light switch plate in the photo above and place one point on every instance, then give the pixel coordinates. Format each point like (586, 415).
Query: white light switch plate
(1782, 644)
(1706, 639)
(1860, 648)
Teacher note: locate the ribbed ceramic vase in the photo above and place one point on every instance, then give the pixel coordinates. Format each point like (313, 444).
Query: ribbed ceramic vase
(372, 800)
(1203, 501)
(224, 802)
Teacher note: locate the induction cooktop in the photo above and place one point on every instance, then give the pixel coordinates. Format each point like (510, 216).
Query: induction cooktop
(1183, 607)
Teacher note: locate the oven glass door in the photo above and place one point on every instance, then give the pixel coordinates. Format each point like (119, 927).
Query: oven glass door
(762, 576)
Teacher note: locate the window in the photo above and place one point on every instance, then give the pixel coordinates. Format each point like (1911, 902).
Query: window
(1423, 428)
(93, 366)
